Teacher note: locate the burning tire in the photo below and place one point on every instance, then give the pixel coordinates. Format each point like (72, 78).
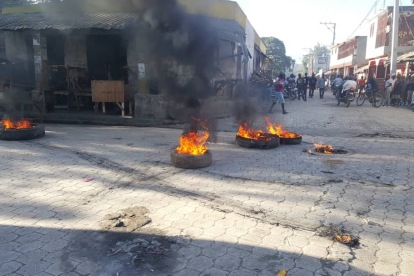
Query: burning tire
(291, 141)
(188, 161)
(22, 134)
(270, 142)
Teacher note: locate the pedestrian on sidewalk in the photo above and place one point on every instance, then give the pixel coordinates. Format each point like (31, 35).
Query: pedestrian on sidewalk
(312, 85)
(388, 90)
(278, 93)
(300, 84)
(396, 93)
(322, 86)
(305, 87)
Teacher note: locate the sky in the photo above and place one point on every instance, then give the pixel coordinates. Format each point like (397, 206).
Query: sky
(297, 22)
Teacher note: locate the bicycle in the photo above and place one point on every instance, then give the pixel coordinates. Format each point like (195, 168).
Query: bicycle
(375, 98)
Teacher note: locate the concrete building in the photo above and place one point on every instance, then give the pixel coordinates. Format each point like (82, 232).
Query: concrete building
(348, 56)
(379, 40)
(62, 56)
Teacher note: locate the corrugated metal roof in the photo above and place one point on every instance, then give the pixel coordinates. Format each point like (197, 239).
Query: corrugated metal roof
(41, 21)
(227, 29)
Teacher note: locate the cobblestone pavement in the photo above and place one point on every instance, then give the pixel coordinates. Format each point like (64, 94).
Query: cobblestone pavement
(251, 213)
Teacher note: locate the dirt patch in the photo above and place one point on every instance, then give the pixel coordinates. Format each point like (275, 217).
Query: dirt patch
(384, 135)
(333, 162)
(127, 220)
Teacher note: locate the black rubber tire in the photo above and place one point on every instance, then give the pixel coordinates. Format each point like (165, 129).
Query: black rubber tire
(259, 144)
(361, 99)
(187, 161)
(348, 100)
(292, 95)
(378, 100)
(291, 141)
(22, 134)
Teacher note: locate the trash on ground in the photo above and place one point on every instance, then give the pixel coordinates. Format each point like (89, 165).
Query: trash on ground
(88, 179)
(282, 273)
(127, 220)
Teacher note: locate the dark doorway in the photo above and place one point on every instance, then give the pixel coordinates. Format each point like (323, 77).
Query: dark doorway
(107, 57)
(55, 49)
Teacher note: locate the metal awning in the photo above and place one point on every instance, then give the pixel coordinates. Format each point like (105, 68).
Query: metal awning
(361, 69)
(43, 21)
(406, 57)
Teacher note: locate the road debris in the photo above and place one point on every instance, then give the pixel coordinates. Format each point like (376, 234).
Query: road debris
(282, 273)
(127, 220)
(89, 179)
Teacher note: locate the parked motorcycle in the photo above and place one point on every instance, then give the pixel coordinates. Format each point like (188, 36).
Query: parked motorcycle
(290, 92)
(347, 98)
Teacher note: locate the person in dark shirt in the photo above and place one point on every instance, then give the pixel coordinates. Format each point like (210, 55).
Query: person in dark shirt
(312, 85)
(300, 84)
(373, 82)
(305, 87)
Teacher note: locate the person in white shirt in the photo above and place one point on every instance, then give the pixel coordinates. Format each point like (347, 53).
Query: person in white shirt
(389, 86)
(349, 84)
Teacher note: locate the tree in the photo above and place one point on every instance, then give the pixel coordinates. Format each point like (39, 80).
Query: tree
(317, 51)
(276, 51)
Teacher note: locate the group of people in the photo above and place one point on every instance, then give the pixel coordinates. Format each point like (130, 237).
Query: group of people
(397, 93)
(302, 84)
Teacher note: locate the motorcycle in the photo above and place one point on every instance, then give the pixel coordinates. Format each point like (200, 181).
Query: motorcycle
(335, 89)
(290, 92)
(347, 98)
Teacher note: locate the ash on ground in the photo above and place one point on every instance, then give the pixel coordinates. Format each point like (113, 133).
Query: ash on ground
(146, 250)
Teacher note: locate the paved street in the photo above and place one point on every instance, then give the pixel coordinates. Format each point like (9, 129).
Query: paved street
(252, 212)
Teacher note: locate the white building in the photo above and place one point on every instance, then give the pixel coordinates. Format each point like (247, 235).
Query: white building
(348, 56)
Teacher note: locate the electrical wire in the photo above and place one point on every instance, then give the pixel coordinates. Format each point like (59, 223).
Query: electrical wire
(373, 7)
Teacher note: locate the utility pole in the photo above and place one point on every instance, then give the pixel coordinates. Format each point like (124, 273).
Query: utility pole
(309, 55)
(332, 27)
(395, 33)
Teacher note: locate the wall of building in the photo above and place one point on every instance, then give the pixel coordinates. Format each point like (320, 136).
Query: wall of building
(372, 52)
(250, 42)
(19, 50)
(361, 59)
(75, 51)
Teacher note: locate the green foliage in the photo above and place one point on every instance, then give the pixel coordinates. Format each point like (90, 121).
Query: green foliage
(276, 51)
(317, 51)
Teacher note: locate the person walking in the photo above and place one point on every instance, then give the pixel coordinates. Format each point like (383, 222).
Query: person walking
(361, 84)
(278, 93)
(396, 93)
(300, 84)
(388, 90)
(312, 85)
(305, 87)
(322, 86)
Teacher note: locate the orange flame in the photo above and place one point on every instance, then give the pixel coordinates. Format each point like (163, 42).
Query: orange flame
(247, 133)
(194, 143)
(343, 239)
(323, 148)
(8, 124)
(279, 131)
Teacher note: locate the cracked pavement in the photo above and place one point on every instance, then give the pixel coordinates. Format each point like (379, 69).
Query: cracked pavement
(251, 213)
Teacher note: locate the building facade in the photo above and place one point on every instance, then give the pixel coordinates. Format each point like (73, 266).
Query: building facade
(348, 56)
(379, 40)
(59, 55)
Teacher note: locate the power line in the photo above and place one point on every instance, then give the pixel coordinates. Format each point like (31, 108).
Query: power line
(373, 7)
